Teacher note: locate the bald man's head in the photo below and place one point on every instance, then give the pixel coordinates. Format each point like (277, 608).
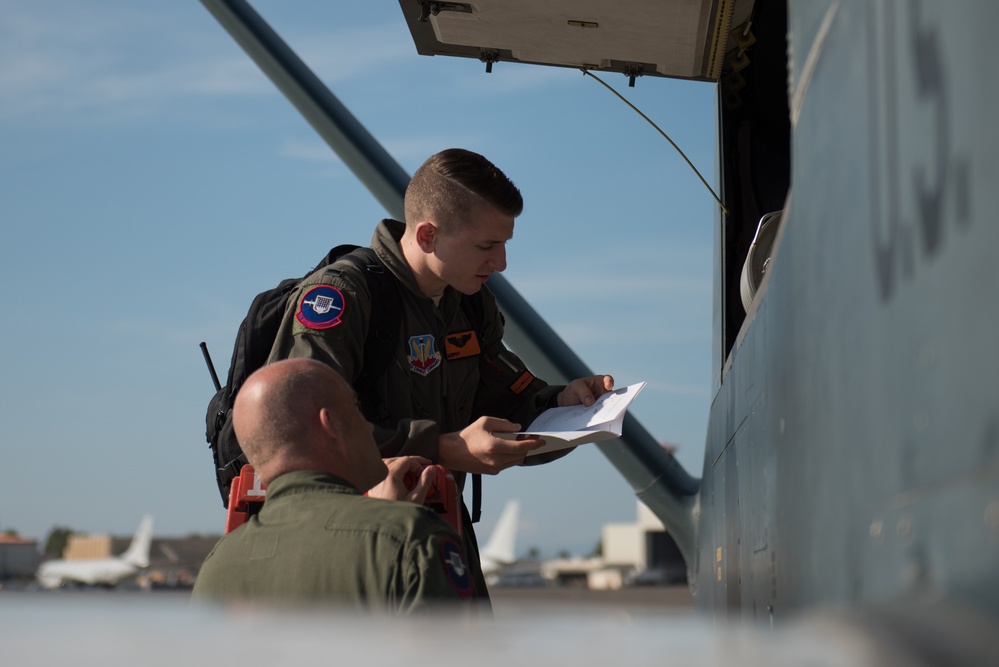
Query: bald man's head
(300, 414)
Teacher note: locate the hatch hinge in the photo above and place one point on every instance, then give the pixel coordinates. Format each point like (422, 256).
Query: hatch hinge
(489, 56)
(435, 8)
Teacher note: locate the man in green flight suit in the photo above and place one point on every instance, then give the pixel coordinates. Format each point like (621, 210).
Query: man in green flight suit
(452, 385)
(316, 537)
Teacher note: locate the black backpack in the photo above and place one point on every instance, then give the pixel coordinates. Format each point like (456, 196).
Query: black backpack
(255, 339)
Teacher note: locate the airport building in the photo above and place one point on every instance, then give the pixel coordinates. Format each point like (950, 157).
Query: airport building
(88, 547)
(18, 557)
(637, 553)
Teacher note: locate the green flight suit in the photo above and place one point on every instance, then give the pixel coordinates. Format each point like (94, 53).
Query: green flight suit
(316, 539)
(444, 375)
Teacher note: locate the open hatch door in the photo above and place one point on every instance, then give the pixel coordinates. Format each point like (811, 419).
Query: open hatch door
(684, 39)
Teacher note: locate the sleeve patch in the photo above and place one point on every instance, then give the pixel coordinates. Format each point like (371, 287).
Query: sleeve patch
(522, 383)
(322, 307)
(458, 574)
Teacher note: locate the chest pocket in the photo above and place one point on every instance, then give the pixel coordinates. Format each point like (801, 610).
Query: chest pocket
(463, 351)
(439, 373)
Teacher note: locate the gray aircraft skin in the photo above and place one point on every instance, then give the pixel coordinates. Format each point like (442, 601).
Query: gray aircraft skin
(852, 454)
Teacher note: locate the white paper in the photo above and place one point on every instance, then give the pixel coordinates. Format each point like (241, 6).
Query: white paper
(577, 424)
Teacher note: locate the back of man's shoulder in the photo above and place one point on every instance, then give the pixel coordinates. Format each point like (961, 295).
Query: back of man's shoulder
(408, 519)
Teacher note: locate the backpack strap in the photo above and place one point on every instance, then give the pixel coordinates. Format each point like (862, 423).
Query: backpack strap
(383, 330)
(476, 497)
(474, 309)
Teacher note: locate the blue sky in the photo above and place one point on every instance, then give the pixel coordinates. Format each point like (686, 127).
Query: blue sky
(152, 181)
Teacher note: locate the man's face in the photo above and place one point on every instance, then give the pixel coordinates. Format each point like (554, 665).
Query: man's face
(465, 260)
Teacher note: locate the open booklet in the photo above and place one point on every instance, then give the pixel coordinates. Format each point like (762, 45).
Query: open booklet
(577, 424)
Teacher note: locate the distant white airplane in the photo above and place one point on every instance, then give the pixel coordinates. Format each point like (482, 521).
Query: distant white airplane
(100, 571)
(501, 547)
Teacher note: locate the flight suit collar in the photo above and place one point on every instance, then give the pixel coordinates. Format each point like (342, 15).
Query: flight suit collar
(301, 481)
(386, 244)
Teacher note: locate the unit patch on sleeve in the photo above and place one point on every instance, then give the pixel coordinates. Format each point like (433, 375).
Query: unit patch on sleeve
(460, 345)
(458, 574)
(522, 382)
(423, 356)
(321, 308)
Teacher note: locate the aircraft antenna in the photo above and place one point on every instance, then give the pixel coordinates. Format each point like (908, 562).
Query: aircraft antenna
(660, 131)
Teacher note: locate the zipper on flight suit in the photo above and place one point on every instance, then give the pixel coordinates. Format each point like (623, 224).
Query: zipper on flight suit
(446, 320)
(445, 375)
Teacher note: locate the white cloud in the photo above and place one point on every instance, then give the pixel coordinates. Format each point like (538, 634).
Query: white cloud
(59, 58)
(338, 56)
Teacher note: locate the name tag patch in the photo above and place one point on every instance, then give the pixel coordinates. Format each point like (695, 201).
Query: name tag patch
(461, 345)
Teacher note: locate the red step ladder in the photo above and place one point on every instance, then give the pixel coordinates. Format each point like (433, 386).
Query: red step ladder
(247, 494)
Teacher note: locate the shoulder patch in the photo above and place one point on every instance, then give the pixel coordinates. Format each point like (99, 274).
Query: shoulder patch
(322, 307)
(458, 574)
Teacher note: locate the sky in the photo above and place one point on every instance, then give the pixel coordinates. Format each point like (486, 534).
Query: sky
(153, 180)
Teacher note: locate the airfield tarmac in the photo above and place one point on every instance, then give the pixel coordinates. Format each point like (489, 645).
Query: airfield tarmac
(532, 626)
(505, 599)
(642, 599)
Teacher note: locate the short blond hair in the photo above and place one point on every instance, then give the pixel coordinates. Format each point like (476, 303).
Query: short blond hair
(450, 185)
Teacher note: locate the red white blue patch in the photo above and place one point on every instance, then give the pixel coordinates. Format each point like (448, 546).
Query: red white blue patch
(321, 308)
(423, 356)
(458, 574)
